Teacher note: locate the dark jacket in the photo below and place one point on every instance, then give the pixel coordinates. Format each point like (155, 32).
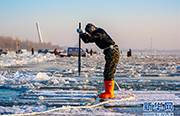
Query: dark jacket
(100, 37)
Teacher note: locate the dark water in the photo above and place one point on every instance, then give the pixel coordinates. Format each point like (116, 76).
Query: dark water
(8, 93)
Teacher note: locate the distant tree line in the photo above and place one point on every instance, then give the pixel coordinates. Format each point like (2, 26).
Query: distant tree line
(10, 44)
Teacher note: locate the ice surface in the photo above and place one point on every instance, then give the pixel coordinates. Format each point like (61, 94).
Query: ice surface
(42, 82)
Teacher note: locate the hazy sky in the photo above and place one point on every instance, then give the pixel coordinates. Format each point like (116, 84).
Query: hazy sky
(131, 23)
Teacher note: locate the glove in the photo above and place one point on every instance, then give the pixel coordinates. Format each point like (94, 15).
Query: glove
(80, 31)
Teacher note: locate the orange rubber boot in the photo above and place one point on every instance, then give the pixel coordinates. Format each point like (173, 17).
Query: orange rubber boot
(109, 90)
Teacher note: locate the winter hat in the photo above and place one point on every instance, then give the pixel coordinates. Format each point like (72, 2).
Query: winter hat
(90, 27)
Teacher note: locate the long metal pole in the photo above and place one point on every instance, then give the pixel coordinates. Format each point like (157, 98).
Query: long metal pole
(79, 57)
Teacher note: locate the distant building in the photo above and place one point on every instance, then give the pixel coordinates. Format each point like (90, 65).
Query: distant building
(39, 33)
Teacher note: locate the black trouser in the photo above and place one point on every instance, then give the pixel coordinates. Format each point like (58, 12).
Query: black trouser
(112, 59)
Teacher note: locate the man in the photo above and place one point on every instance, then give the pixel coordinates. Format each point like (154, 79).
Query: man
(111, 52)
(55, 51)
(129, 53)
(32, 50)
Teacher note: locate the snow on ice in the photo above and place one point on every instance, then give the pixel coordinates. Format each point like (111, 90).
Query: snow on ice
(34, 78)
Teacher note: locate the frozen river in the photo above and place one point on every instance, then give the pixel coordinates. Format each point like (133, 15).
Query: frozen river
(26, 76)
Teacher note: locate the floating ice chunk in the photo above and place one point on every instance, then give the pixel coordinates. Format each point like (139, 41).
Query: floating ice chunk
(144, 81)
(87, 87)
(68, 71)
(17, 74)
(55, 81)
(21, 109)
(73, 80)
(42, 76)
(38, 84)
(41, 98)
(2, 78)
